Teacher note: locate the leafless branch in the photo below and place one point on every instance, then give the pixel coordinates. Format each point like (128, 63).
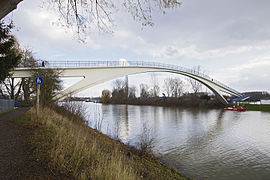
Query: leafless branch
(88, 14)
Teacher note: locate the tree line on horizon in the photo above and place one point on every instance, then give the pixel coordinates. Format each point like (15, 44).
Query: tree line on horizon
(171, 94)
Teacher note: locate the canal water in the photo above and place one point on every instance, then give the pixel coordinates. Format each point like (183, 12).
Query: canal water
(199, 143)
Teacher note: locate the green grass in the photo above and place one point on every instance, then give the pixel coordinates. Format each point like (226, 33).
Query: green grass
(72, 149)
(258, 107)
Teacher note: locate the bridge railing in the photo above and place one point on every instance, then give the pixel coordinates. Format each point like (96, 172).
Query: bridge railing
(62, 64)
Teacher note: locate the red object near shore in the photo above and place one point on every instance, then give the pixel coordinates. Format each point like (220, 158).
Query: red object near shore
(241, 109)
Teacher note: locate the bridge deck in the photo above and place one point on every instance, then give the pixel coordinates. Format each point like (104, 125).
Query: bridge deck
(70, 64)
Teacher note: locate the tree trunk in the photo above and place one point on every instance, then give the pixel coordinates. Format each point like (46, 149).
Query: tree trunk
(6, 6)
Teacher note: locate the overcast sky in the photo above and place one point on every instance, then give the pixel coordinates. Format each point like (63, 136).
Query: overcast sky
(229, 39)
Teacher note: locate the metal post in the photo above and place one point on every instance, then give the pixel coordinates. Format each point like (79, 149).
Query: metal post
(38, 92)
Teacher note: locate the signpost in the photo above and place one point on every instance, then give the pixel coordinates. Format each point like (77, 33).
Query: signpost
(38, 81)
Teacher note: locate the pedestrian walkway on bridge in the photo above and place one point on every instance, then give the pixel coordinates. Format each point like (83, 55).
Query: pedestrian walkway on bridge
(96, 72)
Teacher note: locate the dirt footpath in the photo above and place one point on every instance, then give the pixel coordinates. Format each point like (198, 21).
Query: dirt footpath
(14, 155)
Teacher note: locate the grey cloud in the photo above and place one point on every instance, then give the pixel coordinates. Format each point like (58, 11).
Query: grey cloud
(247, 30)
(211, 24)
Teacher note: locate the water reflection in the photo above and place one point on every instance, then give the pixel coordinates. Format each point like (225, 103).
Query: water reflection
(203, 144)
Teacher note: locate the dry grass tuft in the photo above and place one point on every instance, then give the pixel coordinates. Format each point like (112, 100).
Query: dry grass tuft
(80, 152)
(74, 152)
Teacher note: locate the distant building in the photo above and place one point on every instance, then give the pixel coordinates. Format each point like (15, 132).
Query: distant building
(265, 101)
(257, 95)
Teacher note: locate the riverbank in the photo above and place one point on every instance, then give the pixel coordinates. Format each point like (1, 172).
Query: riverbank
(69, 148)
(184, 102)
(258, 107)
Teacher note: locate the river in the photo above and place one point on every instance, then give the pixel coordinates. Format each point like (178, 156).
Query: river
(199, 143)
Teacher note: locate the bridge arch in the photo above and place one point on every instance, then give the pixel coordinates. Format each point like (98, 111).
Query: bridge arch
(104, 71)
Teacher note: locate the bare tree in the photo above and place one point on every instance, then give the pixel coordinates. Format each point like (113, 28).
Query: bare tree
(28, 88)
(11, 88)
(132, 92)
(178, 87)
(86, 13)
(119, 92)
(25, 86)
(155, 86)
(28, 84)
(126, 87)
(118, 84)
(144, 91)
(168, 82)
(27, 59)
(195, 85)
(174, 87)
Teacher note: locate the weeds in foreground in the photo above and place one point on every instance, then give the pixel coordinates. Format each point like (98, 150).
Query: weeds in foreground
(74, 152)
(146, 141)
(79, 152)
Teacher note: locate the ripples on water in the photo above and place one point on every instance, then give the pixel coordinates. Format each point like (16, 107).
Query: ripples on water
(203, 144)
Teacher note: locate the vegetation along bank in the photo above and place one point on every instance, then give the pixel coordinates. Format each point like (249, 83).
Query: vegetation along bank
(258, 107)
(65, 145)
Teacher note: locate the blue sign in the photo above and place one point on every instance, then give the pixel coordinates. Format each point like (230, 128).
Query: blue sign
(39, 80)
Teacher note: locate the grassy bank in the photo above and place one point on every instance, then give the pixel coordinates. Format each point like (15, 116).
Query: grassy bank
(69, 148)
(258, 107)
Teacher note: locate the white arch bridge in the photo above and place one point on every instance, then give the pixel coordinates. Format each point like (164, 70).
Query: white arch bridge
(97, 72)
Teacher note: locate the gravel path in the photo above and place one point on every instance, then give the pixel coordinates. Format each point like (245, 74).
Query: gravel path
(14, 155)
